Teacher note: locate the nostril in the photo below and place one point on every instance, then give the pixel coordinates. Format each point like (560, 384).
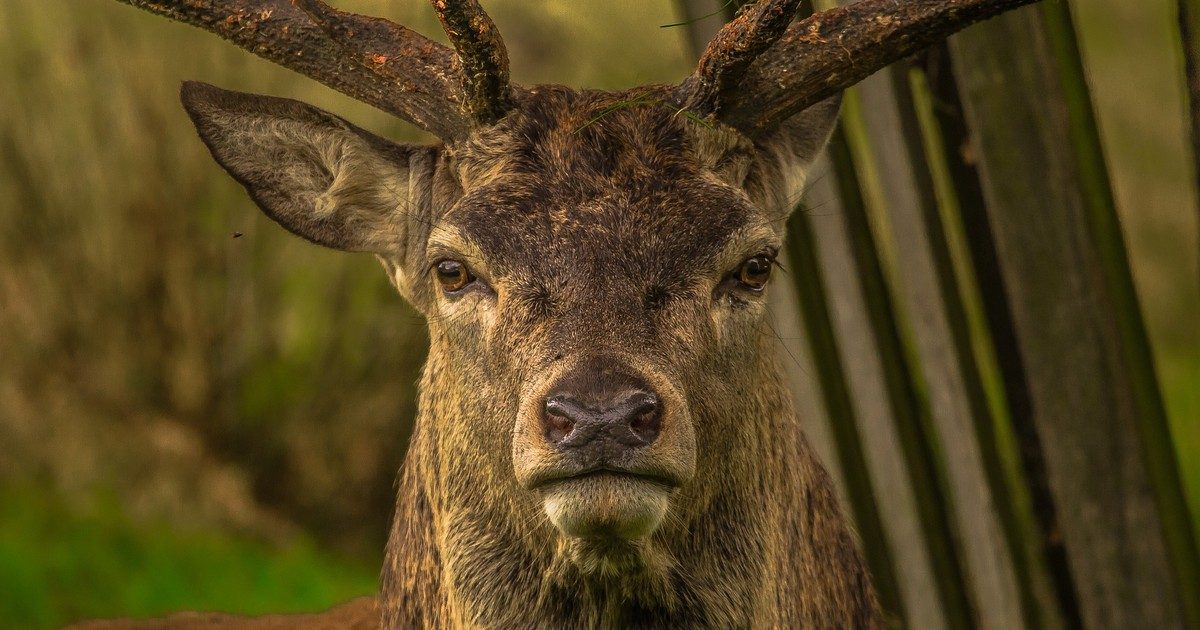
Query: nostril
(601, 420)
(645, 418)
(558, 420)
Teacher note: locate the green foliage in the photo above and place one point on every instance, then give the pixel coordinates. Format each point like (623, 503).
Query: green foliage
(59, 565)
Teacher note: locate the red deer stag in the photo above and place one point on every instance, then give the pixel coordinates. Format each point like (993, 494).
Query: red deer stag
(604, 436)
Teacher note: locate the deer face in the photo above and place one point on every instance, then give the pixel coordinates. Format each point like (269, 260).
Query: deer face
(607, 272)
(594, 275)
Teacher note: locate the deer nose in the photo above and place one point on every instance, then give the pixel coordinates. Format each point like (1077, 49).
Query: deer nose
(604, 425)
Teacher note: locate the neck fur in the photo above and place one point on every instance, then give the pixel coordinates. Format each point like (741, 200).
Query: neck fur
(765, 545)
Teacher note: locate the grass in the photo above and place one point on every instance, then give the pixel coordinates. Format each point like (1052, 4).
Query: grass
(59, 564)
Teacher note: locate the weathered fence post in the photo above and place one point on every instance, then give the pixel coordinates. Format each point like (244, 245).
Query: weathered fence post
(1093, 396)
(933, 309)
(1011, 451)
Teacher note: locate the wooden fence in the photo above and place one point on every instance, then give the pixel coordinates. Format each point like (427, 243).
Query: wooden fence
(969, 354)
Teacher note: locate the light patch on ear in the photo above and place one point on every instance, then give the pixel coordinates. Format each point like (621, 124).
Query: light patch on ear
(361, 181)
(791, 176)
(325, 204)
(784, 158)
(326, 184)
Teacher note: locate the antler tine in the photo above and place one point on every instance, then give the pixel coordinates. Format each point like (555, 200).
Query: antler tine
(832, 50)
(396, 69)
(483, 58)
(411, 65)
(731, 52)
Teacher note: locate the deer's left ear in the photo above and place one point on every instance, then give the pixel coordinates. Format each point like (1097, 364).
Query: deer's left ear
(785, 156)
(313, 173)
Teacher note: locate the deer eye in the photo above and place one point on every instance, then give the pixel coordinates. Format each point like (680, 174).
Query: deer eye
(452, 275)
(754, 273)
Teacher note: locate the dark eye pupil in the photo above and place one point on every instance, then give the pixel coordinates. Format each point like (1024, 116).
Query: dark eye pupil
(755, 272)
(452, 275)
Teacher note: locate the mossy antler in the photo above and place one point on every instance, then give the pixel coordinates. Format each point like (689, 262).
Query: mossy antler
(756, 74)
(482, 56)
(760, 69)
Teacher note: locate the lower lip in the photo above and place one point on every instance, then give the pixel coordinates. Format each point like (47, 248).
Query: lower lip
(611, 474)
(606, 504)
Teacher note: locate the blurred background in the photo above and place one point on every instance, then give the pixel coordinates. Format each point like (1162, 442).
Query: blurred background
(200, 411)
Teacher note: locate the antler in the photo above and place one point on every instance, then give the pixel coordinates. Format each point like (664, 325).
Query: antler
(396, 70)
(731, 52)
(784, 70)
(371, 59)
(406, 66)
(755, 73)
(484, 60)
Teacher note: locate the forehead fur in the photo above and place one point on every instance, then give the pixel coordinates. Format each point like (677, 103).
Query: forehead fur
(560, 132)
(602, 176)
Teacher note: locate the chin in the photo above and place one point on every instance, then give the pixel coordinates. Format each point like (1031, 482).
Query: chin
(605, 509)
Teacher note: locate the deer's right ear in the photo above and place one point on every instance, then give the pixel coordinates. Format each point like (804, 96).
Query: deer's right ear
(312, 172)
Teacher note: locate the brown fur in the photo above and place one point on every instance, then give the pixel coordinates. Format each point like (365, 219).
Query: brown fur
(600, 231)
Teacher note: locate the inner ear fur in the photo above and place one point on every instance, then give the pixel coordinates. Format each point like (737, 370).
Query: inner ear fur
(784, 158)
(315, 174)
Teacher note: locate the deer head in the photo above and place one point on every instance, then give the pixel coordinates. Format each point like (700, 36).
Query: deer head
(592, 266)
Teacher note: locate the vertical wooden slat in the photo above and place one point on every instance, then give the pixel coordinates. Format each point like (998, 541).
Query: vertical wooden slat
(908, 405)
(1133, 343)
(931, 302)
(1032, 528)
(1094, 400)
(837, 263)
(1189, 32)
(786, 323)
(889, 411)
(842, 427)
(910, 414)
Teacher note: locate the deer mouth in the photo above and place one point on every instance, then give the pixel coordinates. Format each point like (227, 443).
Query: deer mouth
(550, 478)
(604, 503)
